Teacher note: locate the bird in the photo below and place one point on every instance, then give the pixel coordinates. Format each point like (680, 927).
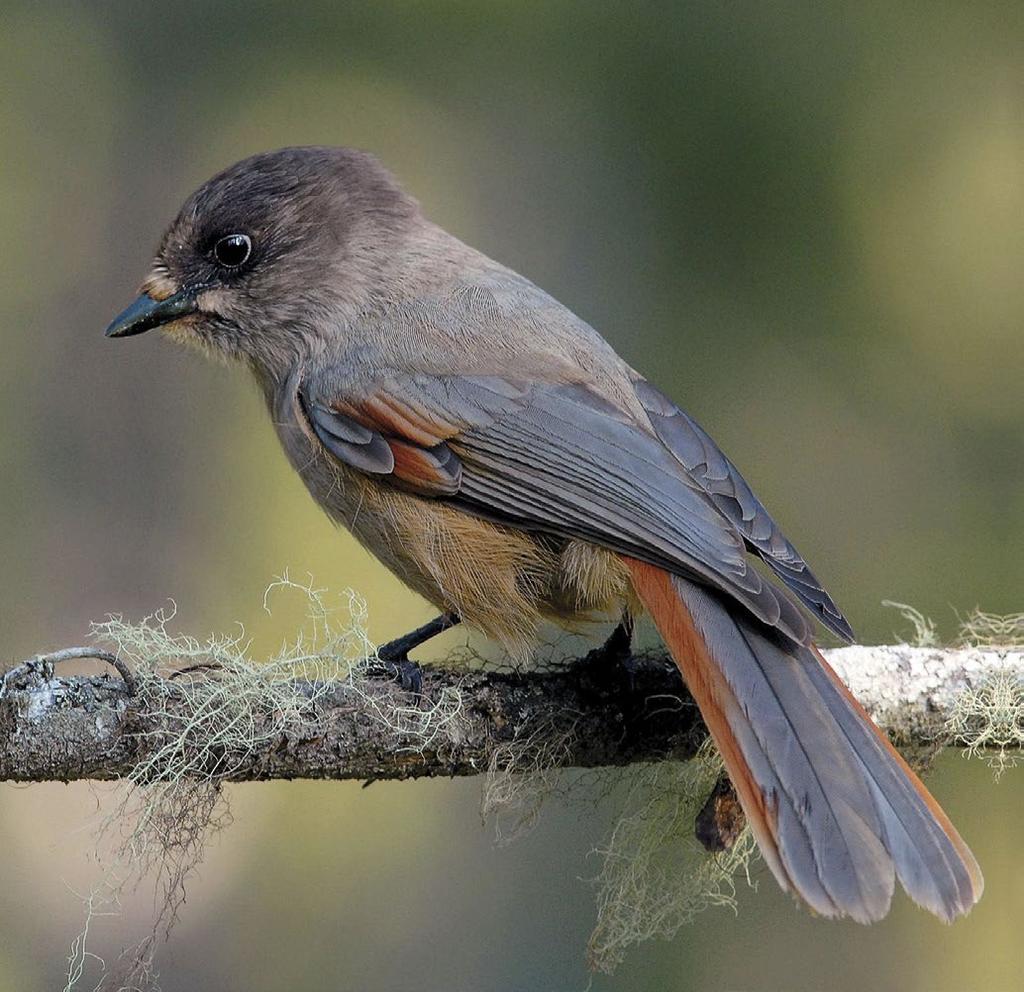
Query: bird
(492, 450)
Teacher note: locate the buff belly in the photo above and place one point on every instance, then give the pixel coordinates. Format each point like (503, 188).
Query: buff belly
(500, 581)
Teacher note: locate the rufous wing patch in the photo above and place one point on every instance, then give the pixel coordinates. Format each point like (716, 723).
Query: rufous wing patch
(432, 471)
(392, 417)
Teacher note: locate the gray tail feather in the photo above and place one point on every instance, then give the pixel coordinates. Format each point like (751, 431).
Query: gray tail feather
(849, 816)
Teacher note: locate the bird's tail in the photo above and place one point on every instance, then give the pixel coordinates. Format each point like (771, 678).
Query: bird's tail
(836, 812)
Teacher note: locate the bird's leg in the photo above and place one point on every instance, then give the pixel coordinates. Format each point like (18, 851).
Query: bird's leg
(618, 647)
(615, 672)
(615, 656)
(393, 657)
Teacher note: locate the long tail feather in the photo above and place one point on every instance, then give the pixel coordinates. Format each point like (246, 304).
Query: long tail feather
(836, 811)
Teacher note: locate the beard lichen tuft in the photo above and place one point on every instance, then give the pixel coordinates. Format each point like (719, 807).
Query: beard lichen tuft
(980, 629)
(210, 707)
(926, 634)
(988, 719)
(655, 877)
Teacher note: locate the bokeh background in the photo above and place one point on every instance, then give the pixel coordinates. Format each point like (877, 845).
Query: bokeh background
(802, 220)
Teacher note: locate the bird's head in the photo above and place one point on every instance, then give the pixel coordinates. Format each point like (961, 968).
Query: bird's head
(272, 253)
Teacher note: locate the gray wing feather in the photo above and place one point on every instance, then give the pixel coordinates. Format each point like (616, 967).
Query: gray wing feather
(711, 469)
(349, 440)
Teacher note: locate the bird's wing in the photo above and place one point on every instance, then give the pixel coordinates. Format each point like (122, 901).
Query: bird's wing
(708, 466)
(559, 459)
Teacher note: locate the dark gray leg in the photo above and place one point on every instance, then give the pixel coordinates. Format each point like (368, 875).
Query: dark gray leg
(619, 646)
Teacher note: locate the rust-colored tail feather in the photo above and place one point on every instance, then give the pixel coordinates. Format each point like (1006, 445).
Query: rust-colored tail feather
(836, 811)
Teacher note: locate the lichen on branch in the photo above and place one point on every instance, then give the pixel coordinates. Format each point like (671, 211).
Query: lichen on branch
(178, 717)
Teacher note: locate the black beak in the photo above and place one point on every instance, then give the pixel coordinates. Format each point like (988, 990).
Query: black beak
(146, 313)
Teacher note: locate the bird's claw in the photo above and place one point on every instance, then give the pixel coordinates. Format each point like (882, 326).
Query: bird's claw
(408, 674)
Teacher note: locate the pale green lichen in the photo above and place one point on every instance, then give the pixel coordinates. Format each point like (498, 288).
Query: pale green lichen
(980, 629)
(227, 705)
(988, 719)
(926, 634)
(655, 877)
(521, 774)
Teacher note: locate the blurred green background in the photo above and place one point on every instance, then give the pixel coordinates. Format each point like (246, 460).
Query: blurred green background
(804, 221)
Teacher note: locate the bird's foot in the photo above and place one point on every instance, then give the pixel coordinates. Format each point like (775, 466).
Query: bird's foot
(393, 660)
(407, 673)
(635, 684)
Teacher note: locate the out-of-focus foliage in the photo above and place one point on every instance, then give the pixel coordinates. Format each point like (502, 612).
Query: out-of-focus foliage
(802, 221)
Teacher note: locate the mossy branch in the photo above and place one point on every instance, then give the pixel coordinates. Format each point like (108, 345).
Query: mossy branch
(55, 727)
(176, 717)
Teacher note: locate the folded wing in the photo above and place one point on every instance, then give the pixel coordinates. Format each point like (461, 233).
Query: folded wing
(559, 459)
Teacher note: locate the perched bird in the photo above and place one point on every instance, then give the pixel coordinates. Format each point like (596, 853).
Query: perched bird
(493, 451)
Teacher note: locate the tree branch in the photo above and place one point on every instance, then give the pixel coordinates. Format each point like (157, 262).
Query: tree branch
(599, 712)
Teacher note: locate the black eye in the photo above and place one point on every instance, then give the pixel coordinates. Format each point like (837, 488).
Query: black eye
(233, 250)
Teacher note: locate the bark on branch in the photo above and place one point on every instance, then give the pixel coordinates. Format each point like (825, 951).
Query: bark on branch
(64, 728)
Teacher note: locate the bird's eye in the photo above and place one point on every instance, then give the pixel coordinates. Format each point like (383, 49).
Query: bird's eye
(233, 250)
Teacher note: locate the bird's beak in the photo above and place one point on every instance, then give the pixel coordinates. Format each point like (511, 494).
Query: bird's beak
(146, 313)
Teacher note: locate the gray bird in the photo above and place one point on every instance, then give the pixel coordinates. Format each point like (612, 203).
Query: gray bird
(493, 451)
